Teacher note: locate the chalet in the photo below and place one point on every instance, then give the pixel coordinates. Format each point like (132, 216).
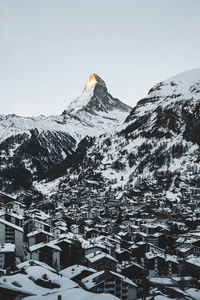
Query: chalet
(112, 283)
(11, 233)
(149, 238)
(74, 228)
(93, 248)
(122, 254)
(4, 199)
(33, 224)
(47, 253)
(7, 256)
(39, 215)
(72, 251)
(183, 281)
(66, 253)
(101, 228)
(196, 248)
(15, 207)
(13, 218)
(101, 261)
(138, 249)
(39, 236)
(58, 231)
(133, 271)
(161, 265)
(165, 241)
(91, 233)
(133, 229)
(149, 228)
(77, 272)
(191, 267)
(184, 250)
(114, 203)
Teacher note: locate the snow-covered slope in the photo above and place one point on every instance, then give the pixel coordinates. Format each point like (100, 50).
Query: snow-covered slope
(32, 145)
(11, 125)
(156, 151)
(180, 89)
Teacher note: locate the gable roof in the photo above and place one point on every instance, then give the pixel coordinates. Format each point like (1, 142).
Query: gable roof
(76, 270)
(94, 257)
(18, 228)
(42, 245)
(101, 276)
(35, 232)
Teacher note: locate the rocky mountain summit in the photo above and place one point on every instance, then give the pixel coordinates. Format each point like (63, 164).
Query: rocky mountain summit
(96, 100)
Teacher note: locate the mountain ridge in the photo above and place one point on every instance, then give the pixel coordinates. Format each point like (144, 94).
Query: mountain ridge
(54, 137)
(155, 153)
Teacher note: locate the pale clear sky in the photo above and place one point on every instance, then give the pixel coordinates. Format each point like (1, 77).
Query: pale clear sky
(48, 49)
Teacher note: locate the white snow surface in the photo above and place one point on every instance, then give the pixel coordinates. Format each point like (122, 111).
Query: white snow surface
(26, 282)
(29, 263)
(12, 125)
(99, 255)
(187, 77)
(81, 101)
(75, 294)
(75, 270)
(193, 293)
(174, 89)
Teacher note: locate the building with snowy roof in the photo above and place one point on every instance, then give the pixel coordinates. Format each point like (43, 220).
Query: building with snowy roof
(11, 233)
(111, 282)
(101, 261)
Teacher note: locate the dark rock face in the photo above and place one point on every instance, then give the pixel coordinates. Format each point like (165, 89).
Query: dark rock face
(73, 160)
(103, 101)
(36, 153)
(192, 124)
(100, 81)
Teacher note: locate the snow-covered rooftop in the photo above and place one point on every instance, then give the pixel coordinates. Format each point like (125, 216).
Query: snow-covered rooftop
(75, 270)
(27, 283)
(41, 245)
(93, 257)
(7, 247)
(18, 228)
(35, 232)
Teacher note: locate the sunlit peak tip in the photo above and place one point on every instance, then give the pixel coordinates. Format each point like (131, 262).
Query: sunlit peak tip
(92, 81)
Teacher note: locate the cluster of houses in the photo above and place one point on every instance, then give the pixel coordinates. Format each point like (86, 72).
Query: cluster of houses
(123, 249)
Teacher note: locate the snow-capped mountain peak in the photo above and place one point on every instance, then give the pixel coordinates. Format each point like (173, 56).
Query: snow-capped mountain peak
(95, 99)
(88, 92)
